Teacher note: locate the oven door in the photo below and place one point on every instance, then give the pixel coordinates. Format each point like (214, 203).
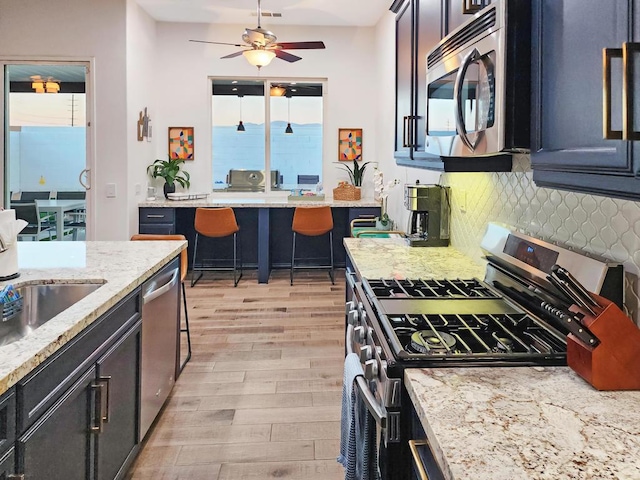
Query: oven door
(465, 101)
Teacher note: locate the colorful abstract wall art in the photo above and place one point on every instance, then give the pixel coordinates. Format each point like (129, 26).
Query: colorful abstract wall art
(181, 142)
(349, 144)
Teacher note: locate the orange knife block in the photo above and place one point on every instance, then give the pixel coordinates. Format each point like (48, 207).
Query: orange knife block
(614, 364)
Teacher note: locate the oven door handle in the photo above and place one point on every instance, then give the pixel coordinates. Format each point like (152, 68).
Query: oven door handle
(378, 412)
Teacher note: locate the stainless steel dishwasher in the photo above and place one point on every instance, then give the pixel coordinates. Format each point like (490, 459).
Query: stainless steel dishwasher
(160, 327)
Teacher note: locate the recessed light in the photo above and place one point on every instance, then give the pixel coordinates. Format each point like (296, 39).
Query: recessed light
(234, 81)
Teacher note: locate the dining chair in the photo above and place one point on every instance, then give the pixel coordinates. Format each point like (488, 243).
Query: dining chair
(184, 263)
(36, 229)
(312, 222)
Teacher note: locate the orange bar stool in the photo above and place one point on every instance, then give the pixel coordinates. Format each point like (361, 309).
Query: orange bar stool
(216, 223)
(312, 222)
(184, 263)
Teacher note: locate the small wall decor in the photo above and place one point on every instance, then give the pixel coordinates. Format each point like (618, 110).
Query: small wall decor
(473, 6)
(144, 126)
(349, 144)
(181, 142)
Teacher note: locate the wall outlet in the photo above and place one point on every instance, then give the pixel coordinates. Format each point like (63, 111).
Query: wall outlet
(111, 190)
(138, 189)
(462, 201)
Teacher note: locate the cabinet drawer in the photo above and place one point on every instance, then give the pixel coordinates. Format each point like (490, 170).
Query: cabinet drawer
(157, 215)
(42, 387)
(7, 421)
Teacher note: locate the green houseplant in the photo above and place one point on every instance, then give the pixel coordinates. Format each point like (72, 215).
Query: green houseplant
(170, 171)
(356, 173)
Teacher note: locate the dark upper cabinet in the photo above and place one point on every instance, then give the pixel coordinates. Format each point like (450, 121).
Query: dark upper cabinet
(569, 149)
(418, 30)
(459, 11)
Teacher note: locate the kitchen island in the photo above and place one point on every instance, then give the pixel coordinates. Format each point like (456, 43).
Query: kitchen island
(120, 267)
(265, 227)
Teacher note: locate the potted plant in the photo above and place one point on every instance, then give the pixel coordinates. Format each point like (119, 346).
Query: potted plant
(356, 173)
(170, 171)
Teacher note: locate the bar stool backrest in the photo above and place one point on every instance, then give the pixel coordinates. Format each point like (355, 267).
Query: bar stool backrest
(312, 221)
(216, 222)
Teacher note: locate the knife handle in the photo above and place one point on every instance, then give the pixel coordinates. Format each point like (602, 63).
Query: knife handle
(573, 282)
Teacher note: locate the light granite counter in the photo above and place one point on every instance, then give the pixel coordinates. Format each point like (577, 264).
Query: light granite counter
(393, 258)
(119, 266)
(222, 200)
(526, 423)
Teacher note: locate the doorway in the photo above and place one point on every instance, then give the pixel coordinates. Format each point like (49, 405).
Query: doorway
(47, 141)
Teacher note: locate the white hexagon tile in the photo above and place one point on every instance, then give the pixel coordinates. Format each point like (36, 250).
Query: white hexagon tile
(602, 226)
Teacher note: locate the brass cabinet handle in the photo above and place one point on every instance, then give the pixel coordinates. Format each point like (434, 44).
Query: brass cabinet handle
(413, 445)
(106, 381)
(607, 55)
(97, 389)
(628, 51)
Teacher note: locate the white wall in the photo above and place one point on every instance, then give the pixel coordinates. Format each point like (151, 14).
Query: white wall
(184, 91)
(141, 93)
(83, 30)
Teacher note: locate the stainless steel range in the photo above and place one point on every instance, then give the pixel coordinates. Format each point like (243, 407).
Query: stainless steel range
(515, 316)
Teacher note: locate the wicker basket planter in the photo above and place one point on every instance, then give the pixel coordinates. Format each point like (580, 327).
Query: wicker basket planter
(347, 192)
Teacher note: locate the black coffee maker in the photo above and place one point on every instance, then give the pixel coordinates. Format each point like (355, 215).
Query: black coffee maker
(429, 215)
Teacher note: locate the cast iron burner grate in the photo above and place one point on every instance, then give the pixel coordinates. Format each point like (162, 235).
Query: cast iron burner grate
(430, 289)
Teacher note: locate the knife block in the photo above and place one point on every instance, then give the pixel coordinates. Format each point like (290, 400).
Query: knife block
(614, 364)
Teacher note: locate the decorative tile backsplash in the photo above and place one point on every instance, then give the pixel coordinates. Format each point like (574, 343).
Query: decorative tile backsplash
(598, 225)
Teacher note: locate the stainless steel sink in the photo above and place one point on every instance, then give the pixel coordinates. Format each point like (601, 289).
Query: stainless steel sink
(39, 304)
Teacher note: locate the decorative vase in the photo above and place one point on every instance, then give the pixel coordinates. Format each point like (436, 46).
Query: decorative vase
(169, 189)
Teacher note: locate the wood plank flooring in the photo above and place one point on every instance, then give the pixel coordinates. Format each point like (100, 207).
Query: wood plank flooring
(260, 398)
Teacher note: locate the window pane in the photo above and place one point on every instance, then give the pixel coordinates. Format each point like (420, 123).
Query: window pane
(238, 156)
(296, 135)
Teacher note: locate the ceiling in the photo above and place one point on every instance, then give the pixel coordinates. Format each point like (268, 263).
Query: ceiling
(294, 12)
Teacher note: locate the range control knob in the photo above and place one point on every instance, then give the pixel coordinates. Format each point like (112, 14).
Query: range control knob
(365, 353)
(350, 305)
(352, 317)
(360, 334)
(370, 369)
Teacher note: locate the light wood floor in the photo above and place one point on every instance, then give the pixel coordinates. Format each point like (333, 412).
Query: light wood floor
(260, 398)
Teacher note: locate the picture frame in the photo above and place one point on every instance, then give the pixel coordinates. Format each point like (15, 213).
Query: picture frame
(181, 143)
(349, 144)
(473, 6)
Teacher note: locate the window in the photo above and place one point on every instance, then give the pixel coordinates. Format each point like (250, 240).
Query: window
(252, 136)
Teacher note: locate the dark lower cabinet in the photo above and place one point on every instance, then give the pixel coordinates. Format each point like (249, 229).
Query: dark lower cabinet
(60, 443)
(7, 464)
(568, 147)
(118, 372)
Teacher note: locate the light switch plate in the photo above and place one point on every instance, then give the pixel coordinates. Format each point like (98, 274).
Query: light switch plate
(111, 190)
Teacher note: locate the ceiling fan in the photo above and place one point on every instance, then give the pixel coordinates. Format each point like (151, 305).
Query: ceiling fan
(261, 46)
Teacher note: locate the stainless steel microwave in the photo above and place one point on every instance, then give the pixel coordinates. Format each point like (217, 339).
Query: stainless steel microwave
(479, 82)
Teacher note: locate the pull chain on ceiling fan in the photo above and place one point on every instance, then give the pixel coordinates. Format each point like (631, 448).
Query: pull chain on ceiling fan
(261, 46)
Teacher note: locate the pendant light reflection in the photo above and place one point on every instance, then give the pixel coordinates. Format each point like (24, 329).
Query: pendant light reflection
(240, 125)
(288, 130)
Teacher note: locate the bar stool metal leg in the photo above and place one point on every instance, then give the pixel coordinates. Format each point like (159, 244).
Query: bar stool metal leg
(236, 254)
(331, 250)
(293, 257)
(193, 265)
(186, 329)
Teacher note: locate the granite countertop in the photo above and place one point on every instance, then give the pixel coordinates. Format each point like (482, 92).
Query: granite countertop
(526, 423)
(226, 200)
(393, 258)
(119, 266)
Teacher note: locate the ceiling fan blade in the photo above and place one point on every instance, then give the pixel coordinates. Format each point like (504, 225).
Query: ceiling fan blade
(234, 54)
(300, 45)
(286, 56)
(218, 43)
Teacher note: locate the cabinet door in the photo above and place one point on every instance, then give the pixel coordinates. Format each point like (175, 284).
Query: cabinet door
(118, 371)
(61, 441)
(568, 146)
(404, 76)
(7, 464)
(429, 32)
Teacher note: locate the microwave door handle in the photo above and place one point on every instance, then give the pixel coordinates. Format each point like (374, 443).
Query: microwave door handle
(457, 93)
(629, 50)
(607, 55)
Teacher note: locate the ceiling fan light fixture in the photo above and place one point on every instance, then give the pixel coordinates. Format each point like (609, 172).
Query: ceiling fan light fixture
(259, 57)
(52, 87)
(277, 91)
(38, 87)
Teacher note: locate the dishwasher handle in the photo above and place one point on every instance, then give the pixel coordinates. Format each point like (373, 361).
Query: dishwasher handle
(156, 292)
